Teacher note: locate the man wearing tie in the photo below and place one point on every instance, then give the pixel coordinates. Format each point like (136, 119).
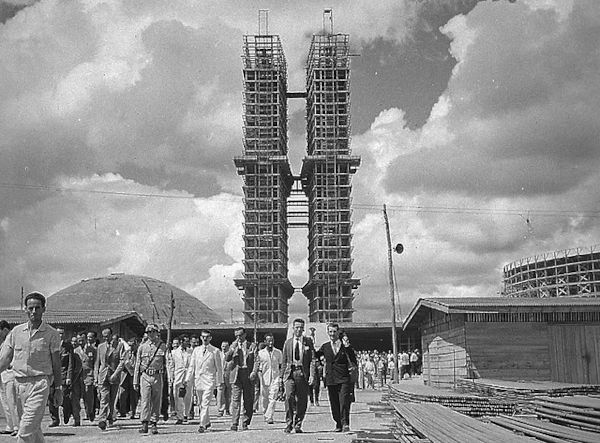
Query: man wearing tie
(297, 373)
(178, 366)
(204, 374)
(243, 373)
(338, 354)
(107, 374)
(269, 368)
(224, 389)
(66, 364)
(88, 363)
(74, 408)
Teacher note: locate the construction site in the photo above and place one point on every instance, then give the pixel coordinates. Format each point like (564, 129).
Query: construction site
(318, 199)
(569, 272)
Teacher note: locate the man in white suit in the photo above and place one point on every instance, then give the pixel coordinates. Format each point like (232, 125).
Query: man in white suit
(205, 372)
(269, 367)
(178, 365)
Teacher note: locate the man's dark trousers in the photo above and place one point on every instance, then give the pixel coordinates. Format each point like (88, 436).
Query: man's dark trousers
(339, 399)
(242, 391)
(296, 398)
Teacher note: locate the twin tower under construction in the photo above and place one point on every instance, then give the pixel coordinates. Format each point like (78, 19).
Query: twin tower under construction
(276, 200)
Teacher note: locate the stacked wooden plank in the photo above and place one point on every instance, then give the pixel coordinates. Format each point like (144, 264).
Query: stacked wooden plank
(443, 425)
(399, 430)
(545, 431)
(517, 391)
(578, 411)
(468, 404)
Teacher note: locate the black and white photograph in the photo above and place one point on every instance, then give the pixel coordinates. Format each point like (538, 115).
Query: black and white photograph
(273, 220)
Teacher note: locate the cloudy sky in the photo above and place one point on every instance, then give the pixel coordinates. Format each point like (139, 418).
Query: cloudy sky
(478, 124)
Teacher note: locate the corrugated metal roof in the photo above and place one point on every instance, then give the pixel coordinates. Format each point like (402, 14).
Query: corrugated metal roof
(501, 304)
(16, 316)
(456, 302)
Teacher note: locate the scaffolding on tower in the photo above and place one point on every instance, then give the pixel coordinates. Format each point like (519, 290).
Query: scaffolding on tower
(326, 177)
(267, 179)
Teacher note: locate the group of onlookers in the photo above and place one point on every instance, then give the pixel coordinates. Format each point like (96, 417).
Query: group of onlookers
(375, 368)
(113, 377)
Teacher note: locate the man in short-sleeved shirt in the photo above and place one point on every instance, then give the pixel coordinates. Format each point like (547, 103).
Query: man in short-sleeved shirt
(33, 349)
(148, 375)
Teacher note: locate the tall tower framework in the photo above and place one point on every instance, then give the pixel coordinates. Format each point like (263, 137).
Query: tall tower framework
(267, 180)
(326, 179)
(318, 199)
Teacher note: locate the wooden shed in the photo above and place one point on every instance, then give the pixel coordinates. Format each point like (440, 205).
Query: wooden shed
(555, 339)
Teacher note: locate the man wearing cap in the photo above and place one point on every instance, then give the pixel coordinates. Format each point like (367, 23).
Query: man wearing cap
(148, 378)
(33, 350)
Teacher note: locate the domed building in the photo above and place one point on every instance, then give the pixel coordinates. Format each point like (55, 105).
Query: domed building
(149, 297)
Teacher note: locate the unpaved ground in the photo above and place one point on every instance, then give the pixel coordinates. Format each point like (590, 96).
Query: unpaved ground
(318, 426)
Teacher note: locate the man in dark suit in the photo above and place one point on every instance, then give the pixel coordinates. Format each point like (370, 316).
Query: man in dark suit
(66, 364)
(107, 374)
(297, 373)
(88, 362)
(338, 356)
(241, 358)
(72, 403)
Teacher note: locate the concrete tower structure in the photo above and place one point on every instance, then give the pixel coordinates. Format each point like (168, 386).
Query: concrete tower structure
(325, 179)
(267, 181)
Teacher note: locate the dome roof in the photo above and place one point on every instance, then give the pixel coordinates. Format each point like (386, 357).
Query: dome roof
(147, 296)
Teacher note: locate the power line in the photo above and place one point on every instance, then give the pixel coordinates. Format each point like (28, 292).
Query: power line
(94, 191)
(481, 211)
(372, 207)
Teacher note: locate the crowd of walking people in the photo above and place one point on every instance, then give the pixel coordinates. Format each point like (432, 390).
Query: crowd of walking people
(375, 368)
(103, 379)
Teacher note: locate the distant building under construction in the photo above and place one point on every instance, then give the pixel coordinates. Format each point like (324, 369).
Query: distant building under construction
(570, 272)
(272, 195)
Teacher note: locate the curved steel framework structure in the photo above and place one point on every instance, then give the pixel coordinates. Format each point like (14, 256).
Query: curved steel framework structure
(570, 272)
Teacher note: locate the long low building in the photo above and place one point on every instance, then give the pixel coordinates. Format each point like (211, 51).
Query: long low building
(364, 336)
(556, 339)
(125, 323)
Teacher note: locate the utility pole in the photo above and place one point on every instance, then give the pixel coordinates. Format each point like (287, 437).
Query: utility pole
(170, 325)
(392, 295)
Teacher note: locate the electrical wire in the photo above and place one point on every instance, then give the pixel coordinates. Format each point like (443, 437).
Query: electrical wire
(356, 206)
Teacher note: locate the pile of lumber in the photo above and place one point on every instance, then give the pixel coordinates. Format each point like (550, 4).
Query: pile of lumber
(523, 391)
(544, 430)
(440, 424)
(468, 404)
(579, 411)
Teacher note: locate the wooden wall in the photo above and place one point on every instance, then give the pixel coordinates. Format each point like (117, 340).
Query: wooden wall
(454, 349)
(444, 355)
(509, 351)
(575, 353)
